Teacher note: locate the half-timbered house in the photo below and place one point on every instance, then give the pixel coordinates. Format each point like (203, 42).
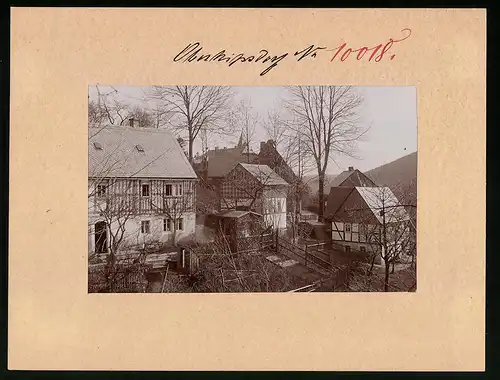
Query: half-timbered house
(141, 188)
(256, 188)
(215, 164)
(368, 219)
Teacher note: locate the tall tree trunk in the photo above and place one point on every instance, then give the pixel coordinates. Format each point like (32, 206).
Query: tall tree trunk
(321, 197)
(174, 233)
(372, 264)
(190, 150)
(386, 280)
(297, 218)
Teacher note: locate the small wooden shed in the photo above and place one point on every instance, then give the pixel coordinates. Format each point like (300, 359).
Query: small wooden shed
(241, 228)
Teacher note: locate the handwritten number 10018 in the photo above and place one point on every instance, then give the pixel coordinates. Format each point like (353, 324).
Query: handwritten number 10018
(343, 52)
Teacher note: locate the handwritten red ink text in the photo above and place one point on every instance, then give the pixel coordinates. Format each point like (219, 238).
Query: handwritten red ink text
(375, 53)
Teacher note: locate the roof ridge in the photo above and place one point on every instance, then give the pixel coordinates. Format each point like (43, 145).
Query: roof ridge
(156, 162)
(137, 129)
(249, 164)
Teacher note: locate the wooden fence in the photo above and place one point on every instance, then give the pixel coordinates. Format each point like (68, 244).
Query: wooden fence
(305, 289)
(326, 284)
(309, 256)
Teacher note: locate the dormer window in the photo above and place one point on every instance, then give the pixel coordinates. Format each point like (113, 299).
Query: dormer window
(97, 145)
(139, 148)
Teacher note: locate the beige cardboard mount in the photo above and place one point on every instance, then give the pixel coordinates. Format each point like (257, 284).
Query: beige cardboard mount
(53, 322)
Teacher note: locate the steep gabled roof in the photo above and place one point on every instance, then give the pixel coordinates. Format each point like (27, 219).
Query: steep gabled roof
(264, 174)
(136, 152)
(222, 161)
(373, 199)
(270, 156)
(352, 178)
(382, 198)
(336, 198)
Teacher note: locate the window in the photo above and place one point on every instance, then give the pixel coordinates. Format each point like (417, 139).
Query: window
(145, 190)
(97, 146)
(179, 189)
(145, 227)
(180, 224)
(362, 249)
(362, 229)
(140, 148)
(347, 227)
(168, 190)
(166, 225)
(101, 190)
(347, 248)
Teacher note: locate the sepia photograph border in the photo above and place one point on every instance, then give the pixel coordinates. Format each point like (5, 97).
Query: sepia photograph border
(227, 189)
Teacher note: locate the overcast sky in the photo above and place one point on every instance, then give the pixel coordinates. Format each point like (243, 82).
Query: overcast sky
(391, 113)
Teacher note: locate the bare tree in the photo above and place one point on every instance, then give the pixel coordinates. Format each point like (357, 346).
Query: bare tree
(161, 116)
(95, 114)
(288, 142)
(111, 110)
(115, 204)
(194, 108)
(290, 162)
(248, 270)
(143, 116)
(390, 234)
(260, 190)
(182, 144)
(244, 118)
(327, 120)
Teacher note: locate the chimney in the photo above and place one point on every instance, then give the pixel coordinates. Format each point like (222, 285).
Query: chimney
(262, 145)
(351, 168)
(216, 148)
(133, 122)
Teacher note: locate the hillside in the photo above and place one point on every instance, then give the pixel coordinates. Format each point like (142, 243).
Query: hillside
(400, 175)
(312, 182)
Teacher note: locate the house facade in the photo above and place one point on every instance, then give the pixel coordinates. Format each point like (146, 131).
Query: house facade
(368, 220)
(141, 189)
(256, 188)
(215, 164)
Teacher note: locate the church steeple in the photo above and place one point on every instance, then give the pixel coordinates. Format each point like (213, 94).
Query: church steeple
(241, 143)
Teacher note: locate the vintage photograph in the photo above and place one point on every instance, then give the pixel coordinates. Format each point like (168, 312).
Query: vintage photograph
(218, 189)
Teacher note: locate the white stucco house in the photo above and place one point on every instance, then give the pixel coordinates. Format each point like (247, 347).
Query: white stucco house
(141, 188)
